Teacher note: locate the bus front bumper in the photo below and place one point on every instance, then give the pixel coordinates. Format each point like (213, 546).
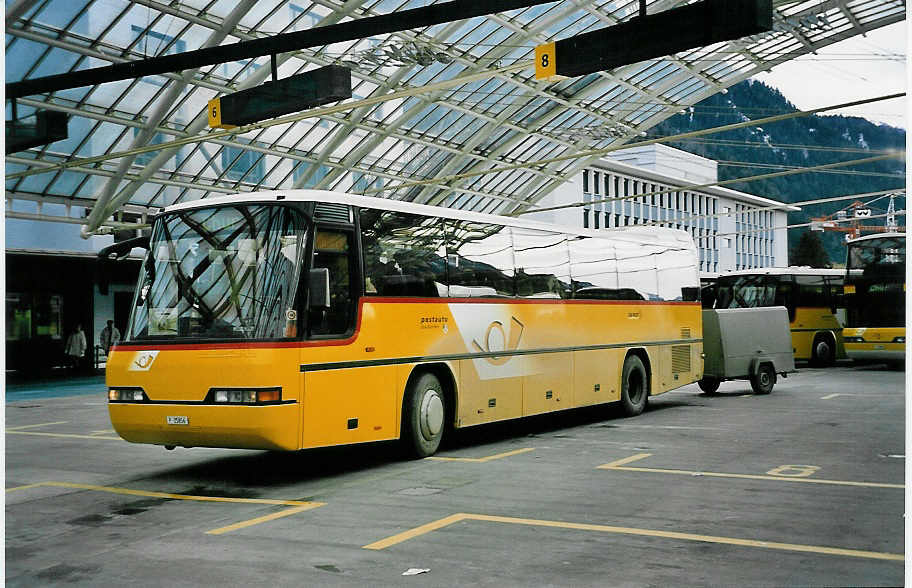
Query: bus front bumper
(274, 427)
(876, 351)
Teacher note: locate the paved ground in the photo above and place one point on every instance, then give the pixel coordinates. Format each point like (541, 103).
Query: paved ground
(801, 487)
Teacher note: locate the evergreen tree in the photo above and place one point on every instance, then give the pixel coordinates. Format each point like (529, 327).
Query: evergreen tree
(809, 251)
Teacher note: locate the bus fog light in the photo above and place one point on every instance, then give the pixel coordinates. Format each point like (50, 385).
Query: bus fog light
(221, 396)
(899, 339)
(853, 340)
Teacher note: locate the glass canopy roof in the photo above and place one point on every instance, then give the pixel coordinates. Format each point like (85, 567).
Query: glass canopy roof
(435, 112)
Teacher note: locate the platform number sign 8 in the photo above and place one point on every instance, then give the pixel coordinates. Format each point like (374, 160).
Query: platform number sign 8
(545, 61)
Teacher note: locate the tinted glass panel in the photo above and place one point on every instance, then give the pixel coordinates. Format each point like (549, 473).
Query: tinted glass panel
(542, 263)
(813, 291)
(637, 276)
(593, 268)
(404, 254)
(677, 274)
(332, 251)
(479, 259)
(222, 273)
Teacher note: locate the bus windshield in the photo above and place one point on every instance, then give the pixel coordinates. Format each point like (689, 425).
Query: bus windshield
(228, 272)
(747, 292)
(877, 274)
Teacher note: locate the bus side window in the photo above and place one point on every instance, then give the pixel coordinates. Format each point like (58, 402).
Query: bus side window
(333, 250)
(785, 296)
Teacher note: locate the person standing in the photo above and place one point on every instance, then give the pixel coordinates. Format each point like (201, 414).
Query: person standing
(109, 337)
(75, 347)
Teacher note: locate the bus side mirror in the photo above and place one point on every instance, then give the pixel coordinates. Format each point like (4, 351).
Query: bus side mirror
(112, 254)
(318, 288)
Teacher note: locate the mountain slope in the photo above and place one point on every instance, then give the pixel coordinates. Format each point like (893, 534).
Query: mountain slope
(799, 142)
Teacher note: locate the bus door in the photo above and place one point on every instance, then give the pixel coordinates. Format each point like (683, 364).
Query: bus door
(343, 402)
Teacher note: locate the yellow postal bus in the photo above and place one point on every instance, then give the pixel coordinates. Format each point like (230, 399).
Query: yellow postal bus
(301, 318)
(876, 298)
(812, 296)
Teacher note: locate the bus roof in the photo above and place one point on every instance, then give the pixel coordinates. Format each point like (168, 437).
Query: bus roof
(891, 235)
(639, 234)
(794, 270)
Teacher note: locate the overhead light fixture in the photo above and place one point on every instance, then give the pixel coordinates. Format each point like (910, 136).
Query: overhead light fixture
(404, 54)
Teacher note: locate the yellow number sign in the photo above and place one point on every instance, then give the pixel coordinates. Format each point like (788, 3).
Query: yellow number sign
(545, 63)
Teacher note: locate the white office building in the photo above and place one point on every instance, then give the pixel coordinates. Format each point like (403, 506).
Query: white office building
(733, 230)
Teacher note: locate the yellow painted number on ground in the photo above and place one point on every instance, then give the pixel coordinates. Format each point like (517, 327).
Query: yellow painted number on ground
(794, 471)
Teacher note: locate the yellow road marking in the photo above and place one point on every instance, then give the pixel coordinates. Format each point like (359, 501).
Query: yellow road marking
(484, 459)
(828, 396)
(617, 465)
(26, 487)
(263, 519)
(33, 426)
(626, 460)
(102, 432)
(298, 505)
(69, 436)
(405, 536)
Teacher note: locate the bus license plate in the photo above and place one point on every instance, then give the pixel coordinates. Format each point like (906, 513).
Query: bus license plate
(178, 420)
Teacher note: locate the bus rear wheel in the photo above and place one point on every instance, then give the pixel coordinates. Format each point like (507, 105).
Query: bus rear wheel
(823, 352)
(424, 413)
(634, 386)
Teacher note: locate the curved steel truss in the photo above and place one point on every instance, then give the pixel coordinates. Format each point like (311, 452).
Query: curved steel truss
(429, 103)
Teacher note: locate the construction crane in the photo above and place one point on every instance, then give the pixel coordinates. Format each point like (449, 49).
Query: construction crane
(850, 220)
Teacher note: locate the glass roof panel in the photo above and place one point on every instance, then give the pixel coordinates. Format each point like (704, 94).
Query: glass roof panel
(465, 124)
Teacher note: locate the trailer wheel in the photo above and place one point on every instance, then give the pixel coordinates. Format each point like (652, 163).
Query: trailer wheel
(709, 384)
(823, 352)
(634, 386)
(424, 415)
(763, 381)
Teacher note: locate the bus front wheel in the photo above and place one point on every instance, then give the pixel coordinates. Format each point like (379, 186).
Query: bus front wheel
(824, 352)
(634, 386)
(423, 416)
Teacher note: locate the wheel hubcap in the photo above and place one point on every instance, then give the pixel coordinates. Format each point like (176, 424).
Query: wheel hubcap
(764, 379)
(430, 416)
(823, 350)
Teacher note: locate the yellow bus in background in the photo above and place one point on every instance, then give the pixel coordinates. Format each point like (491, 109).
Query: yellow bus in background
(875, 292)
(812, 296)
(302, 318)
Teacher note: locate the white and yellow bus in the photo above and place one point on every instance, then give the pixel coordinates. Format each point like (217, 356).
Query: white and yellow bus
(812, 296)
(301, 318)
(875, 292)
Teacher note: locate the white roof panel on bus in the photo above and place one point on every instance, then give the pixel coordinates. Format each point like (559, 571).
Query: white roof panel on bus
(638, 234)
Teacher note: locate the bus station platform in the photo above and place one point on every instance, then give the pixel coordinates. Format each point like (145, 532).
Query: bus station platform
(804, 486)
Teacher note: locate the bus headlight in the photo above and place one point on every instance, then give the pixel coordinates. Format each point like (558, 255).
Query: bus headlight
(245, 395)
(899, 339)
(126, 395)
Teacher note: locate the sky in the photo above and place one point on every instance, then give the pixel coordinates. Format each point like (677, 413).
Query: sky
(854, 69)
